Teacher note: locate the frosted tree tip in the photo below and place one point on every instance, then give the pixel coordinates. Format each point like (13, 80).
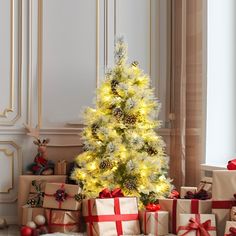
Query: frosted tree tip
(120, 51)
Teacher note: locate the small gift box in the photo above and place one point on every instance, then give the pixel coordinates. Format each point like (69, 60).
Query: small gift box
(111, 214)
(184, 190)
(183, 206)
(205, 184)
(61, 167)
(62, 196)
(63, 221)
(36, 194)
(197, 225)
(230, 228)
(29, 213)
(154, 223)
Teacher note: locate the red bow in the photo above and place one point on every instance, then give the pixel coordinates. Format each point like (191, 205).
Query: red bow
(231, 165)
(232, 231)
(174, 194)
(201, 229)
(106, 193)
(153, 207)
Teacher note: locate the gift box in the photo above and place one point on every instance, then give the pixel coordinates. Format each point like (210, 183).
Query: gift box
(154, 223)
(206, 184)
(230, 228)
(224, 184)
(29, 213)
(197, 225)
(184, 190)
(64, 221)
(183, 206)
(111, 216)
(62, 196)
(61, 167)
(25, 186)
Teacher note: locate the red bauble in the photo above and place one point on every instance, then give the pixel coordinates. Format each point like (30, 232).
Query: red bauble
(26, 231)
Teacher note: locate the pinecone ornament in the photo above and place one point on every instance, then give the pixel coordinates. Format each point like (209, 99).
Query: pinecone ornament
(79, 197)
(118, 113)
(151, 151)
(130, 119)
(135, 63)
(32, 202)
(94, 130)
(105, 164)
(114, 84)
(130, 184)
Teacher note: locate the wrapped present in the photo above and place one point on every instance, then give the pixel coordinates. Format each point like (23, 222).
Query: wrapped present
(25, 186)
(230, 228)
(64, 221)
(197, 225)
(184, 190)
(183, 206)
(62, 196)
(36, 194)
(29, 213)
(206, 184)
(233, 213)
(111, 216)
(61, 167)
(154, 222)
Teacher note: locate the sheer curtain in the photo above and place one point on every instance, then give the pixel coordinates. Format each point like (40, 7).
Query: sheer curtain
(187, 92)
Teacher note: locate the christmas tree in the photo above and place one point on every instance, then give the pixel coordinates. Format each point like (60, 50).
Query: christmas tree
(121, 146)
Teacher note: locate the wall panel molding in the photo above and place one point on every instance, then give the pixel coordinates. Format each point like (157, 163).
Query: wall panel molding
(10, 114)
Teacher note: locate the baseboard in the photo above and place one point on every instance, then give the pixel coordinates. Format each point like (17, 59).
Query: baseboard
(11, 220)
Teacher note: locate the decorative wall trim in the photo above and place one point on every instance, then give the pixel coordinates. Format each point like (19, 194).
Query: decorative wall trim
(40, 53)
(19, 157)
(11, 107)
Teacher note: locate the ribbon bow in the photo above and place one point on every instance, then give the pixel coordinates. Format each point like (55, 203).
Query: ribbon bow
(232, 231)
(200, 228)
(201, 195)
(153, 207)
(60, 195)
(106, 193)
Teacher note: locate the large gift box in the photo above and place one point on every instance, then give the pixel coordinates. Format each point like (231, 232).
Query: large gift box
(230, 229)
(154, 223)
(197, 225)
(223, 190)
(62, 196)
(29, 213)
(111, 216)
(63, 221)
(25, 186)
(183, 206)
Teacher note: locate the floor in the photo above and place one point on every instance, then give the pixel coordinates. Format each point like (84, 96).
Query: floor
(12, 230)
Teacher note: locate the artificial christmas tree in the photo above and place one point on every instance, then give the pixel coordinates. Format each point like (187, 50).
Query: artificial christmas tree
(121, 146)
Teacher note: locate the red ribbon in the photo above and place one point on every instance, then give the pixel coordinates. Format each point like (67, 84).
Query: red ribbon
(200, 228)
(146, 221)
(232, 231)
(153, 207)
(106, 193)
(117, 217)
(53, 195)
(222, 204)
(194, 210)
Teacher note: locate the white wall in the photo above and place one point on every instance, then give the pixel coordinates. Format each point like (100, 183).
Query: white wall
(221, 85)
(50, 69)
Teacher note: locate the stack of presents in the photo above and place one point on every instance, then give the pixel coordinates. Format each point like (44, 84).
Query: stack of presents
(209, 209)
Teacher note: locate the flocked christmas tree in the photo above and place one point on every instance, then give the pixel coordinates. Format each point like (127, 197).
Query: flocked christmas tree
(121, 146)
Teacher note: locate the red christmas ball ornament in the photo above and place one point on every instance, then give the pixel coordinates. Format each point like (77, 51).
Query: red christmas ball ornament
(26, 231)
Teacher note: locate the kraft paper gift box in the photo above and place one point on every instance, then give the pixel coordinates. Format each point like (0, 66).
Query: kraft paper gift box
(62, 196)
(154, 223)
(29, 213)
(111, 216)
(183, 206)
(223, 190)
(230, 228)
(25, 182)
(205, 184)
(197, 225)
(184, 190)
(64, 221)
(61, 167)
